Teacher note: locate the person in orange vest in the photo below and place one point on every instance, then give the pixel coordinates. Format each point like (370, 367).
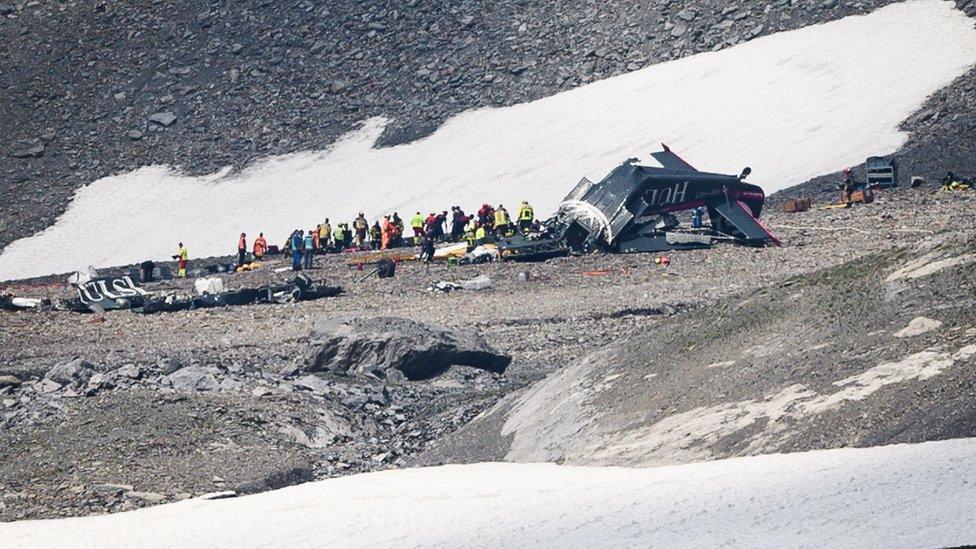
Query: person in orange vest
(241, 249)
(260, 246)
(385, 235)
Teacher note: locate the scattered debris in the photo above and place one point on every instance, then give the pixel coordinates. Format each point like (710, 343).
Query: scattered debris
(798, 205)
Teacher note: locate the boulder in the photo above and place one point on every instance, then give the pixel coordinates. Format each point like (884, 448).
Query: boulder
(74, 374)
(193, 378)
(419, 350)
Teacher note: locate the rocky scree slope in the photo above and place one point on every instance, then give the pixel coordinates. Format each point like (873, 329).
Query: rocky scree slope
(876, 351)
(95, 88)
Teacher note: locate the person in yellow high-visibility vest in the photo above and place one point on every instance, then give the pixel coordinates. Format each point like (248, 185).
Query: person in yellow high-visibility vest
(182, 257)
(501, 221)
(479, 235)
(525, 216)
(417, 224)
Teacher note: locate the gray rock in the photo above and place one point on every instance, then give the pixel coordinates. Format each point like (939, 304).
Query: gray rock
(418, 350)
(193, 378)
(75, 373)
(134, 135)
(48, 386)
(100, 381)
(36, 151)
(164, 119)
(150, 497)
(108, 488)
(168, 365)
(312, 383)
(131, 371)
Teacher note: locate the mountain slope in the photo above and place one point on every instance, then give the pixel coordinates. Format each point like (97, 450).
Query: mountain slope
(254, 78)
(877, 351)
(798, 93)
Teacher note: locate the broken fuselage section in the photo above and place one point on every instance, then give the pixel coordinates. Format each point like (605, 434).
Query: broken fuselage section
(633, 210)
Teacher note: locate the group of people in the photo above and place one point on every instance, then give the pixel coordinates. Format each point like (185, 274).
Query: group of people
(388, 232)
(454, 226)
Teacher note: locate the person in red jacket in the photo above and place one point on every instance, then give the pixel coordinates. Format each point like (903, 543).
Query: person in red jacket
(260, 246)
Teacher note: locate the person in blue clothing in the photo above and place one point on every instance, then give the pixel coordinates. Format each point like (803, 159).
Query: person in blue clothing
(309, 248)
(297, 243)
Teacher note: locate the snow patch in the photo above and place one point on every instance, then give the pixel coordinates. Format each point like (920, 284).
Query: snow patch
(894, 496)
(918, 326)
(785, 104)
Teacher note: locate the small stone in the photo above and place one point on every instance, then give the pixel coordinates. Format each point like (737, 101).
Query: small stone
(134, 135)
(164, 119)
(36, 151)
(151, 497)
(110, 488)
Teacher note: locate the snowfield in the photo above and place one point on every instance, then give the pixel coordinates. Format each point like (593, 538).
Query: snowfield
(792, 106)
(894, 496)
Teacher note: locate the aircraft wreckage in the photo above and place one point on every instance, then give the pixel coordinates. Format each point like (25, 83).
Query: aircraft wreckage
(633, 210)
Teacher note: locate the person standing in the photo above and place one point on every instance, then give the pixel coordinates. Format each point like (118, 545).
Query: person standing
(501, 221)
(439, 226)
(309, 249)
(847, 192)
(297, 242)
(361, 226)
(458, 221)
(385, 234)
(525, 216)
(338, 237)
(241, 250)
(375, 235)
(260, 246)
(427, 249)
(417, 224)
(325, 232)
(182, 257)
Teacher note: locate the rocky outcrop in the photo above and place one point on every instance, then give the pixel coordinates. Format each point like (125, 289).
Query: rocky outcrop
(380, 345)
(75, 373)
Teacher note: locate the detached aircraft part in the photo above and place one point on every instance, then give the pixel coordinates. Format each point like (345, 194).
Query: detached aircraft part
(632, 210)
